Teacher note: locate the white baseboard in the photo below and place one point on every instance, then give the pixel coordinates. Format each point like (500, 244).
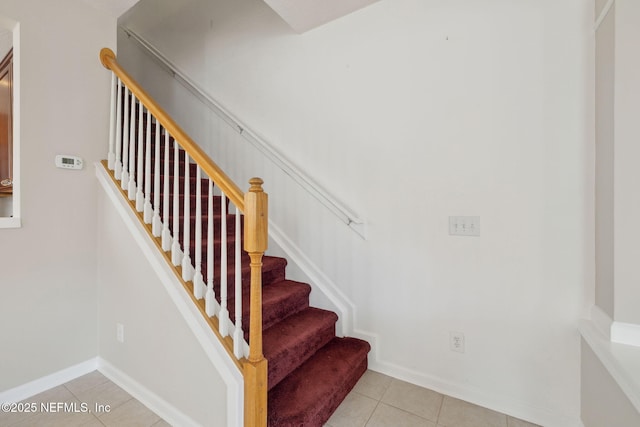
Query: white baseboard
(47, 382)
(151, 400)
(499, 403)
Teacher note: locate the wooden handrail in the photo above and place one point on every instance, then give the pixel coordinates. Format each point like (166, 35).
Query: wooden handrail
(230, 189)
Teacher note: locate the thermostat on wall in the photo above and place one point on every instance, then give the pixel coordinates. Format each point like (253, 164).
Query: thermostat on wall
(68, 162)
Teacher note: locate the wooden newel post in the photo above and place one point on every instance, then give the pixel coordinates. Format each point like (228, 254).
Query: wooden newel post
(255, 243)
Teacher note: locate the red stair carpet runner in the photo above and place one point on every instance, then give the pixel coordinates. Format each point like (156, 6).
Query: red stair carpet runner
(310, 369)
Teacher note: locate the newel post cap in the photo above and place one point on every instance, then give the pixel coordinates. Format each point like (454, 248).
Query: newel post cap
(106, 56)
(256, 185)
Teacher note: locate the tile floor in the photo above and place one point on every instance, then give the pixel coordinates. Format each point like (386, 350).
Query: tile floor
(376, 401)
(91, 390)
(381, 401)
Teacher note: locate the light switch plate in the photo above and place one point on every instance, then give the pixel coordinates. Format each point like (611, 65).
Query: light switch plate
(464, 225)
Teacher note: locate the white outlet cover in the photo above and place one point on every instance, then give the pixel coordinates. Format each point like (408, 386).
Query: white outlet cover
(456, 341)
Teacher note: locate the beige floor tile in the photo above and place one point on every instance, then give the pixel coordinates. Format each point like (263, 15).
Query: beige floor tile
(86, 382)
(354, 411)
(162, 423)
(130, 414)
(411, 398)
(94, 422)
(388, 416)
(515, 422)
(104, 394)
(56, 394)
(373, 384)
(72, 417)
(10, 418)
(458, 413)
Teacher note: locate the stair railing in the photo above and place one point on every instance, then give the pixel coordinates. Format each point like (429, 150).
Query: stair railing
(143, 143)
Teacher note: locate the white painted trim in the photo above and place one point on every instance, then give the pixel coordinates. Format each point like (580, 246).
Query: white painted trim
(47, 382)
(601, 321)
(201, 330)
(12, 222)
(497, 402)
(620, 360)
(345, 214)
(161, 407)
(625, 333)
(603, 14)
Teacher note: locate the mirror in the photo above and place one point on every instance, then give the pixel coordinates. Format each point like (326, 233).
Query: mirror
(6, 122)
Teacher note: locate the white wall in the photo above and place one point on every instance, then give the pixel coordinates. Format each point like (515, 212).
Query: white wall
(410, 111)
(603, 402)
(159, 350)
(5, 42)
(48, 267)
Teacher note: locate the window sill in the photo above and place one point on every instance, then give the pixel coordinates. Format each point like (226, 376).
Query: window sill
(10, 222)
(622, 361)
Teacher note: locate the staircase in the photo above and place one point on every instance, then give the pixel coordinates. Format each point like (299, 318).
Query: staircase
(310, 370)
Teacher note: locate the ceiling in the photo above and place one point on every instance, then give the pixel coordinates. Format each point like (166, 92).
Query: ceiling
(113, 7)
(301, 15)
(304, 15)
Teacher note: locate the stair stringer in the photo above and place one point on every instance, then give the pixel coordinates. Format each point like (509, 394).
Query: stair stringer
(338, 302)
(215, 351)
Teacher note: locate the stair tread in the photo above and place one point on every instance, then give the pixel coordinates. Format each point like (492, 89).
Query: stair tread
(290, 342)
(279, 300)
(310, 394)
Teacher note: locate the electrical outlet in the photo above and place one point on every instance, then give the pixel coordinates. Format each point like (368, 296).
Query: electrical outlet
(456, 341)
(120, 332)
(464, 225)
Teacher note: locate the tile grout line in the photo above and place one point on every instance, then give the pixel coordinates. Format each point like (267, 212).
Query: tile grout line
(440, 409)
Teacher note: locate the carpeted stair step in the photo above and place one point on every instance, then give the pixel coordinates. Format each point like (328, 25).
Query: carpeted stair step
(310, 394)
(273, 271)
(290, 342)
(279, 300)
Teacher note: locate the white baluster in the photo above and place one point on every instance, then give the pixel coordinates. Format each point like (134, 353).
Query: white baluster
(156, 223)
(140, 158)
(147, 208)
(211, 305)
(131, 188)
(166, 233)
(176, 253)
(198, 282)
(118, 165)
(111, 157)
(224, 312)
(187, 269)
(125, 143)
(238, 336)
